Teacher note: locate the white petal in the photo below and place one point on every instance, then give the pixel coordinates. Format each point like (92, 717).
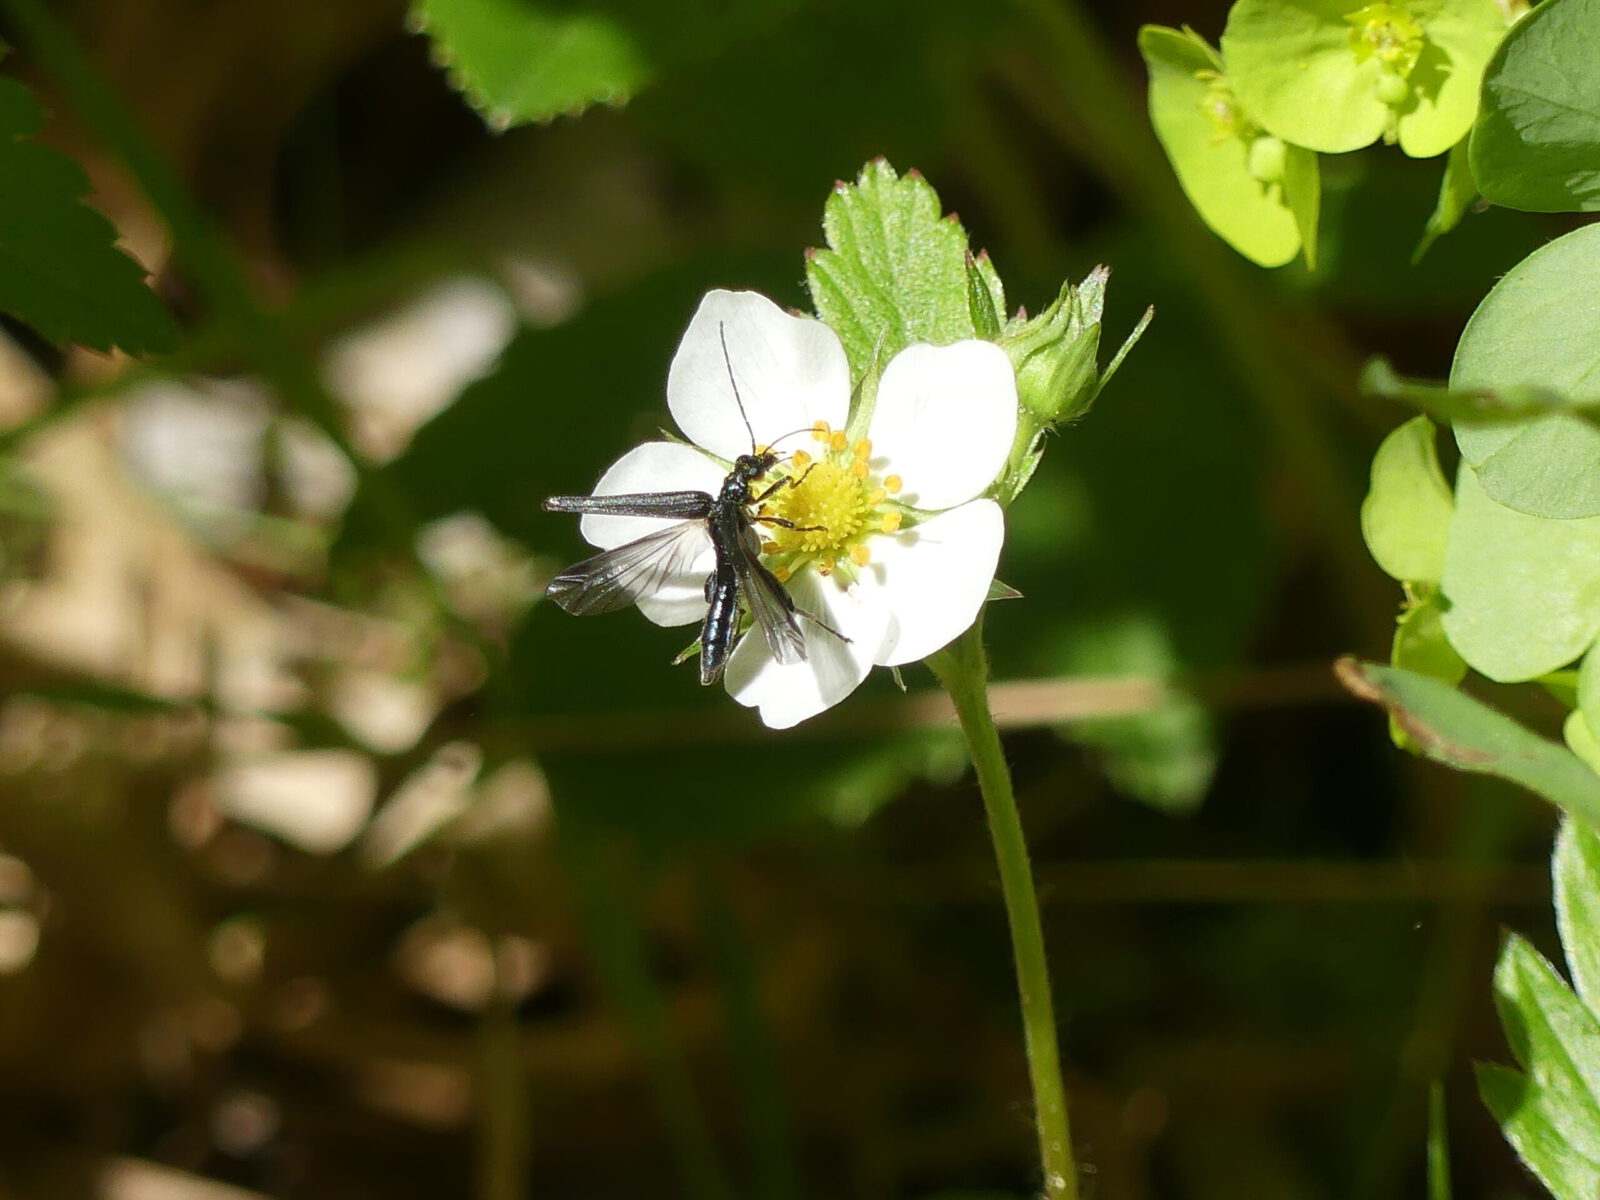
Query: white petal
(658, 467)
(651, 467)
(681, 602)
(791, 373)
(945, 420)
(933, 578)
(787, 695)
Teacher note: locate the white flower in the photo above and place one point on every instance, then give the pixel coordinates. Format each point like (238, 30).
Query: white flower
(905, 551)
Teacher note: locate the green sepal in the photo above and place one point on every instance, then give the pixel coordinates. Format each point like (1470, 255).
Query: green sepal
(987, 313)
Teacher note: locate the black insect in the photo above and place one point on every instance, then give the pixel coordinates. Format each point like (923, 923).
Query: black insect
(617, 578)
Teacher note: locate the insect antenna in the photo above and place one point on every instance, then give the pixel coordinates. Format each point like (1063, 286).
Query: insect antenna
(790, 434)
(727, 361)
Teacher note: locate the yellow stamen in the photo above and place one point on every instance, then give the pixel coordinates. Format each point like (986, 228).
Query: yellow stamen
(820, 431)
(762, 449)
(860, 555)
(781, 574)
(769, 547)
(825, 567)
(878, 497)
(892, 484)
(837, 440)
(891, 521)
(801, 460)
(863, 449)
(859, 468)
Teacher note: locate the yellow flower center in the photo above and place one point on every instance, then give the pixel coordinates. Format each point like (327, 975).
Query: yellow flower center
(830, 505)
(1219, 107)
(1389, 33)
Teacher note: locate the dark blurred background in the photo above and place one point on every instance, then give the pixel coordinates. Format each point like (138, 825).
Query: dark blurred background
(334, 864)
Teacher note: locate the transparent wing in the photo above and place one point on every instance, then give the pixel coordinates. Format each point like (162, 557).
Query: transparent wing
(770, 607)
(617, 578)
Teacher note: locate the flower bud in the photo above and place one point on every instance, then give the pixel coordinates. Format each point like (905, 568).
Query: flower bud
(1266, 159)
(1054, 354)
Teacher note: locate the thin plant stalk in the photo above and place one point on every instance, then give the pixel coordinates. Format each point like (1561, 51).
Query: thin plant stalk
(963, 669)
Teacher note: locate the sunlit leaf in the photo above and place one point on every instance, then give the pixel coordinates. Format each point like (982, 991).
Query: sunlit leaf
(1406, 515)
(1575, 732)
(1300, 69)
(60, 270)
(1523, 592)
(1551, 1115)
(1536, 144)
(1459, 731)
(1212, 147)
(1420, 643)
(1538, 326)
(1588, 694)
(1576, 874)
(895, 270)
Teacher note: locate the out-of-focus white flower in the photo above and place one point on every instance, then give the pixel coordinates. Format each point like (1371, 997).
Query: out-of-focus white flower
(896, 549)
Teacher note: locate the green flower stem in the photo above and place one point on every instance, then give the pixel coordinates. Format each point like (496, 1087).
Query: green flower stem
(963, 669)
(503, 1136)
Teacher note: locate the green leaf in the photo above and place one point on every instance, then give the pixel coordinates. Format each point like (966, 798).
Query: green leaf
(1521, 1110)
(1588, 695)
(1453, 728)
(1457, 191)
(1420, 643)
(1210, 144)
(60, 270)
(1523, 592)
(895, 270)
(530, 60)
(1575, 870)
(1406, 515)
(1438, 1144)
(1536, 144)
(1551, 1115)
(1477, 404)
(1538, 326)
(1297, 68)
(1575, 732)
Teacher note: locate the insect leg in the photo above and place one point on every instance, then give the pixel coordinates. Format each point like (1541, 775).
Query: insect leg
(821, 624)
(786, 481)
(783, 523)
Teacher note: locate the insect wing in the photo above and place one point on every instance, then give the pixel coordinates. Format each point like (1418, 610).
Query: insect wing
(770, 607)
(617, 578)
(682, 505)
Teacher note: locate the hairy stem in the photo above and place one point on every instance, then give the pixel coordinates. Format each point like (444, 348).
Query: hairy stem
(963, 669)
